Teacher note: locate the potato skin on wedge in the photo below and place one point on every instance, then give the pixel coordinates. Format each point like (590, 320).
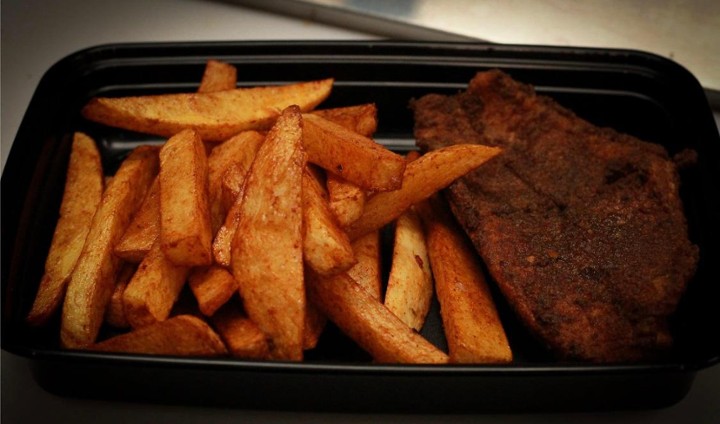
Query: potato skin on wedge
(182, 335)
(267, 253)
(82, 195)
(370, 323)
(216, 116)
(93, 280)
(185, 227)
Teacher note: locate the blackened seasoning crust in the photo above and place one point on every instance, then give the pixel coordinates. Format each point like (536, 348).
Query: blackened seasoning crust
(581, 227)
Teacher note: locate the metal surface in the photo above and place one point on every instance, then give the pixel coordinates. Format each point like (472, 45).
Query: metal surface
(687, 31)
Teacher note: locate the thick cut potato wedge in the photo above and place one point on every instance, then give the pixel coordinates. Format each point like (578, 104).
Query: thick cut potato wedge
(218, 76)
(182, 335)
(350, 155)
(144, 228)
(185, 228)
(153, 290)
(326, 247)
(472, 326)
(93, 279)
(369, 322)
(345, 199)
(423, 177)
(222, 244)
(212, 286)
(410, 285)
(243, 338)
(216, 116)
(238, 152)
(115, 312)
(232, 181)
(361, 119)
(367, 272)
(83, 191)
(267, 254)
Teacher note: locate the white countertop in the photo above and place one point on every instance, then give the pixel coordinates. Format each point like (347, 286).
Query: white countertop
(37, 33)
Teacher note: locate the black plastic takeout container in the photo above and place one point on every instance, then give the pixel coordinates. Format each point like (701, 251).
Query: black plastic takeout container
(641, 94)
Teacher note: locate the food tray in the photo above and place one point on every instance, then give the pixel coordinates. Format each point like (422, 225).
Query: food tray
(641, 94)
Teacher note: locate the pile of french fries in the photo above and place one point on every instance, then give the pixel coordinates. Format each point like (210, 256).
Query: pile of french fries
(258, 193)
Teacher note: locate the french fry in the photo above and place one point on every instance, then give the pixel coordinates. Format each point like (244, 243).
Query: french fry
(212, 286)
(345, 199)
(83, 191)
(222, 244)
(153, 290)
(369, 323)
(243, 338)
(367, 271)
(326, 248)
(215, 116)
(182, 335)
(410, 285)
(218, 76)
(144, 228)
(267, 257)
(238, 152)
(185, 228)
(115, 312)
(231, 185)
(92, 281)
(361, 119)
(231, 194)
(472, 326)
(423, 177)
(350, 155)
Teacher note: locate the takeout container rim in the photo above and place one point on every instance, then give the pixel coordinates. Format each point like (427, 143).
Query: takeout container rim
(90, 56)
(105, 51)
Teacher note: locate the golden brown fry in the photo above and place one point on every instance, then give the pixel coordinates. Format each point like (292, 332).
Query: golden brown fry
(218, 76)
(352, 156)
(367, 272)
(243, 338)
(369, 322)
(182, 335)
(185, 228)
(267, 257)
(144, 228)
(153, 290)
(215, 116)
(345, 199)
(212, 286)
(115, 312)
(472, 326)
(423, 177)
(222, 244)
(361, 119)
(326, 247)
(83, 191)
(231, 186)
(410, 285)
(92, 281)
(238, 152)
